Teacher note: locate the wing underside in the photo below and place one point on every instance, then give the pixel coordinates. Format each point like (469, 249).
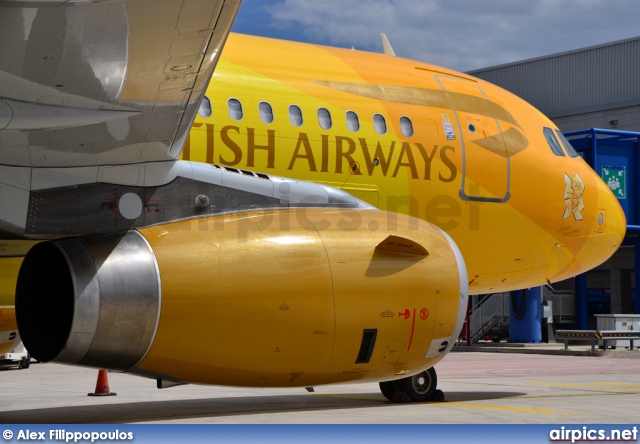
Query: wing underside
(104, 82)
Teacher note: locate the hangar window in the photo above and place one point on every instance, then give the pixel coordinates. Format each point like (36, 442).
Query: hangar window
(571, 151)
(235, 109)
(295, 115)
(353, 123)
(553, 142)
(205, 107)
(380, 124)
(266, 112)
(324, 118)
(406, 126)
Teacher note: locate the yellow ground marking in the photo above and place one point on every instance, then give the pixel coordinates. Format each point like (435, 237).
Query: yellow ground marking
(595, 385)
(575, 395)
(499, 407)
(625, 384)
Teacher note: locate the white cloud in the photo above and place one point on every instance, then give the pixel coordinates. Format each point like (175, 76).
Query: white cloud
(461, 34)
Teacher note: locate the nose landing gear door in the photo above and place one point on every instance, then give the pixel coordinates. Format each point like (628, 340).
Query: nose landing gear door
(485, 159)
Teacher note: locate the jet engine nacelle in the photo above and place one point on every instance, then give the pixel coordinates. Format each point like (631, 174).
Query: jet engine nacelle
(291, 297)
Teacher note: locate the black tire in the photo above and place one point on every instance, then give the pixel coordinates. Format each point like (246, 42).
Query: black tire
(438, 396)
(388, 388)
(420, 387)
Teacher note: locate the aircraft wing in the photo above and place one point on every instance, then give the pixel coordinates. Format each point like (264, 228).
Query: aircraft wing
(99, 82)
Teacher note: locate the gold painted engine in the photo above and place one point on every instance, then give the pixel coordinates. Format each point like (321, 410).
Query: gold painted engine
(288, 297)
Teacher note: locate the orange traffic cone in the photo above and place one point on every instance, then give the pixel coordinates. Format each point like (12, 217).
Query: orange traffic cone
(102, 385)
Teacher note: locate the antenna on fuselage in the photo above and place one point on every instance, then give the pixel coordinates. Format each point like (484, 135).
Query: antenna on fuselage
(550, 287)
(386, 46)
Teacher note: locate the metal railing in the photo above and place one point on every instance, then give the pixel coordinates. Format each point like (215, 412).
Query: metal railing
(564, 304)
(489, 313)
(492, 312)
(604, 337)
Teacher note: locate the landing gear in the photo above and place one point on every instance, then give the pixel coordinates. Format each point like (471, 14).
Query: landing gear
(416, 388)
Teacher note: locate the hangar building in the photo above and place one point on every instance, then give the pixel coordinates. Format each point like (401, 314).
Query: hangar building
(593, 87)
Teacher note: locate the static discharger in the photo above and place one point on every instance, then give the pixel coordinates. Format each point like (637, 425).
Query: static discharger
(402, 245)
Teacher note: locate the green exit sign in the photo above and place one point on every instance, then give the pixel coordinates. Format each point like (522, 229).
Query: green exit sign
(616, 178)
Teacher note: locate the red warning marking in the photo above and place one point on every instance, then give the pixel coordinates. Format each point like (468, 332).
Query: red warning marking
(424, 314)
(152, 205)
(413, 326)
(406, 313)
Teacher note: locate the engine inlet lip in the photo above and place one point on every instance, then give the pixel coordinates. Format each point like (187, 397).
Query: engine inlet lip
(104, 308)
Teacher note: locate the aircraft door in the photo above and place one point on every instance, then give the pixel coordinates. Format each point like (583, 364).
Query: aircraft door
(485, 160)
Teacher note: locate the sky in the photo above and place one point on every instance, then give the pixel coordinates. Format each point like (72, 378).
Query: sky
(458, 34)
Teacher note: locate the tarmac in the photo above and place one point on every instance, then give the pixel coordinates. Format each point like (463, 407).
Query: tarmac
(543, 348)
(485, 384)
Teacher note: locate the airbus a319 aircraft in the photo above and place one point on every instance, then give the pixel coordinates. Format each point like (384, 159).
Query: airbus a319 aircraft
(331, 212)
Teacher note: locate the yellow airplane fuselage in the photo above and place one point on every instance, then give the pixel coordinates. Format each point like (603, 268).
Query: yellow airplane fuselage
(11, 254)
(477, 163)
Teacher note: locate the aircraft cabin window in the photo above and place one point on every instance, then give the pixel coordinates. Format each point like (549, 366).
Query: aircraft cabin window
(295, 115)
(266, 112)
(553, 142)
(324, 118)
(205, 107)
(406, 126)
(571, 151)
(380, 124)
(235, 109)
(353, 123)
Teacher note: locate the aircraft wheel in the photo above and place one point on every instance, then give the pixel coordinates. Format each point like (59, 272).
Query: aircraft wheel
(388, 388)
(420, 387)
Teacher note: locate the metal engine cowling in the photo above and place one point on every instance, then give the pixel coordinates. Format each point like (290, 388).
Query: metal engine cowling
(92, 301)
